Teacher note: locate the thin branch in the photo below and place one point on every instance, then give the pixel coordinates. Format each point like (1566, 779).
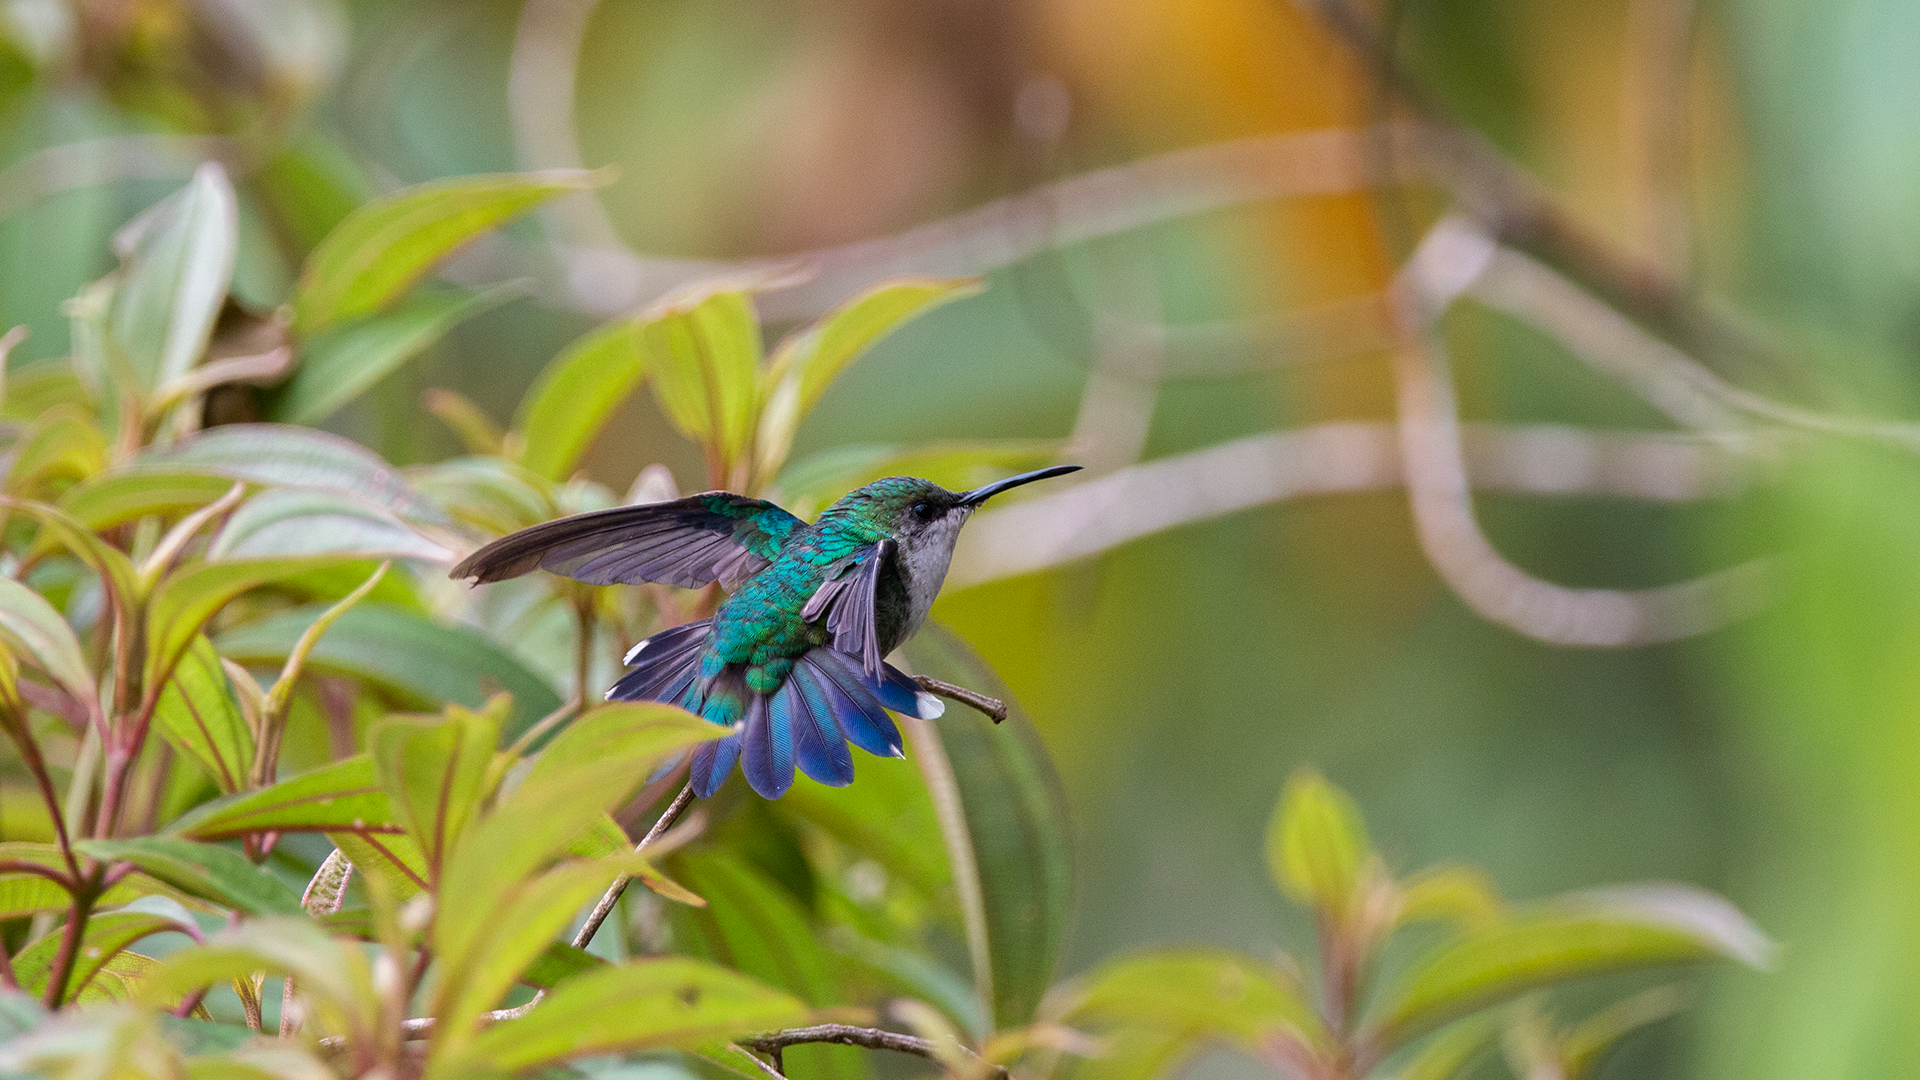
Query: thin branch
(1339, 458)
(23, 866)
(605, 907)
(1442, 503)
(993, 708)
(775, 1070)
(848, 1035)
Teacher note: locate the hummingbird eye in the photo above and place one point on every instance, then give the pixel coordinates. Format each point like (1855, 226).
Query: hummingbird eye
(922, 511)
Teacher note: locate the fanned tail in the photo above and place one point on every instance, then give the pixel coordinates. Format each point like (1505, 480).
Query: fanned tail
(827, 701)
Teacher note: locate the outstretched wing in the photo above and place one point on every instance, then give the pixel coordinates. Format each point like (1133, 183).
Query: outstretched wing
(716, 536)
(848, 599)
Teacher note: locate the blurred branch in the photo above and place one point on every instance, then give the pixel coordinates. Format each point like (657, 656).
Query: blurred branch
(53, 169)
(1336, 458)
(1106, 202)
(1444, 266)
(848, 1035)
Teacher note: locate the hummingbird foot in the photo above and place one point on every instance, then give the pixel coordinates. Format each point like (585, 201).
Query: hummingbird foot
(993, 707)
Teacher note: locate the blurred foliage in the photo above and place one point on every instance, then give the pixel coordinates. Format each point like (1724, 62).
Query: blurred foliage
(220, 218)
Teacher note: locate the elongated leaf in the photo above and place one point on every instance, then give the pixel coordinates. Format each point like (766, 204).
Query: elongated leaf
(31, 894)
(392, 855)
(178, 263)
(886, 816)
(33, 629)
(346, 361)
(1450, 1053)
(644, 734)
(524, 925)
(423, 663)
(1015, 824)
(645, 1005)
(575, 394)
(1589, 934)
(386, 246)
(106, 935)
(1316, 843)
(286, 521)
(333, 970)
(115, 498)
(214, 873)
(184, 602)
(703, 351)
(751, 925)
(477, 431)
(805, 364)
(559, 963)
(286, 456)
(1198, 993)
(490, 494)
(62, 445)
(342, 797)
(197, 713)
(113, 567)
(435, 771)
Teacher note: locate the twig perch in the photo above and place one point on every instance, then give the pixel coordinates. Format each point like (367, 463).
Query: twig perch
(993, 707)
(773, 1042)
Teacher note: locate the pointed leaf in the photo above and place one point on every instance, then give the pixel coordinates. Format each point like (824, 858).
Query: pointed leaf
(1198, 992)
(392, 855)
(115, 498)
(559, 963)
(347, 360)
(287, 521)
(342, 797)
(646, 1005)
(31, 628)
(62, 445)
(752, 925)
(333, 970)
(575, 394)
(477, 431)
(1015, 826)
(703, 351)
(1448, 1055)
(1316, 843)
(435, 771)
(179, 261)
(113, 567)
(219, 874)
(30, 894)
(384, 247)
(423, 664)
(106, 935)
(1574, 938)
(198, 715)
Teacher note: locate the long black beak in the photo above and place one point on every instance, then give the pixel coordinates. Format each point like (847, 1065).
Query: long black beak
(982, 494)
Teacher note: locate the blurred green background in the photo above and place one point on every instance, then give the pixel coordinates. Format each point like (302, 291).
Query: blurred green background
(1758, 158)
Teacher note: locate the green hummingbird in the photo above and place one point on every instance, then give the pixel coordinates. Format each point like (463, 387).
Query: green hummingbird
(794, 659)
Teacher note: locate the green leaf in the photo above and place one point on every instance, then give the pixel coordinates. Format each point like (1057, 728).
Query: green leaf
(333, 970)
(424, 664)
(346, 361)
(491, 494)
(559, 963)
(185, 601)
(115, 571)
(1573, 938)
(1316, 843)
(289, 521)
(393, 856)
(477, 431)
(342, 797)
(1460, 895)
(384, 247)
(645, 1005)
(1014, 828)
(62, 445)
(106, 935)
(1198, 993)
(575, 394)
(32, 628)
(197, 714)
(641, 734)
(179, 259)
(115, 498)
(703, 350)
(1448, 1055)
(884, 815)
(281, 455)
(524, 922)
(218, 874)
(30, 894)
(1589, 1043)
(752, 925)
(805, 364)
(435, 771)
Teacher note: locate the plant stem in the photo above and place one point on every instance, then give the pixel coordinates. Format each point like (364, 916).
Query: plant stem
(583, 620)
(605, 907)
(773, 1042)
(30, 753)
(84, 894)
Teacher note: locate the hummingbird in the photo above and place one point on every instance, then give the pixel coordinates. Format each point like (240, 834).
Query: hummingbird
(794, 660)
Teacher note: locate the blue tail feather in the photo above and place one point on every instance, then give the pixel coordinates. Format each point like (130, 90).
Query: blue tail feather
(711, 764)
(818, 744)
(862, 719)
(766, 750)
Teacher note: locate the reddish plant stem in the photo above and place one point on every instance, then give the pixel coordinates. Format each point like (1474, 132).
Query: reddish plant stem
(30, 753)
(6, 969)
(191, 1002)
(70, 938)
(120, 759)
(21, 866)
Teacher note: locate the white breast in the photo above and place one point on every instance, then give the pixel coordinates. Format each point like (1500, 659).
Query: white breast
(923, 564)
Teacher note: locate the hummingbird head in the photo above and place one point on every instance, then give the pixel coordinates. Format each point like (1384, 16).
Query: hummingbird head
(920, 513)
